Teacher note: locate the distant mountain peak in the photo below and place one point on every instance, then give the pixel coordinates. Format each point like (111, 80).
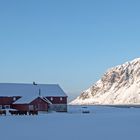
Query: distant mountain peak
(119, 85)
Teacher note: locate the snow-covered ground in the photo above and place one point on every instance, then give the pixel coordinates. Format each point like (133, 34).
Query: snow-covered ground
(102, 123)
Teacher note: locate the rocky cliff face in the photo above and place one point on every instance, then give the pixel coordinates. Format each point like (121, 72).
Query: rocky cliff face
(119, 85)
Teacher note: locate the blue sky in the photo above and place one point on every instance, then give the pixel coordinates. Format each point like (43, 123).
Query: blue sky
(70, 42)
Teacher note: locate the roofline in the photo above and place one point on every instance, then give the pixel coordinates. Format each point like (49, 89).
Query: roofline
(30, 83)
(35, 85)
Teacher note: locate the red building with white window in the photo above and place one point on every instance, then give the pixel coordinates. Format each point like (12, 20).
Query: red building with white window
(38, 97)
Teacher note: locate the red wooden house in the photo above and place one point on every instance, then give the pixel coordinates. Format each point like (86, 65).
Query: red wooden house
(39, 97)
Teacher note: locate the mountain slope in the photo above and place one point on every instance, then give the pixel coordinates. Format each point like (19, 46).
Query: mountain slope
(119, 85)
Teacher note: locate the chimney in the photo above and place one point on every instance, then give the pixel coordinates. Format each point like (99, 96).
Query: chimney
(34, 83)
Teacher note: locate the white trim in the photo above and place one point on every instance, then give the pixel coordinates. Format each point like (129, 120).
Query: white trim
(46, 100)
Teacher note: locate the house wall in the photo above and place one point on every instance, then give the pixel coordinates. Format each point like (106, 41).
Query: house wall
(21, 107)
(57, 100)
(39, 104)
(59, 104)
(8, 100)
(58, 107)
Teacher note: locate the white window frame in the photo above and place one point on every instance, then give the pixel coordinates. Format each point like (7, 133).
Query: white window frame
(61, 99)
(51, 98)
(14, 98)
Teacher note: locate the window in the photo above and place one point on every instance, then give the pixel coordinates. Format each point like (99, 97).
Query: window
(0, 106)
(14, 98)
(61, 98)
(51, 98)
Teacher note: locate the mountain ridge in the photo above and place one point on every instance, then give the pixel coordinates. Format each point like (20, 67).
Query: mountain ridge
(118, 85)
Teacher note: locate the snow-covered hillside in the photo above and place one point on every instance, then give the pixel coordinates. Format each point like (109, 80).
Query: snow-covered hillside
(119, 85)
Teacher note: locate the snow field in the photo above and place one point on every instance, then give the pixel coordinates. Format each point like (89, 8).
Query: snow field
(102, 123)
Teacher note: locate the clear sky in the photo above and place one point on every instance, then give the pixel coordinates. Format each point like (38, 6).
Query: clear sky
(69, 42)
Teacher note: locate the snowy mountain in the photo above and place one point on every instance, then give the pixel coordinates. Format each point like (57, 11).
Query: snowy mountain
(119, 85)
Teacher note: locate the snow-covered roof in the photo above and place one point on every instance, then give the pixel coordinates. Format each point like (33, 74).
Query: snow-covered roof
(29, 99)
(31, 91)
